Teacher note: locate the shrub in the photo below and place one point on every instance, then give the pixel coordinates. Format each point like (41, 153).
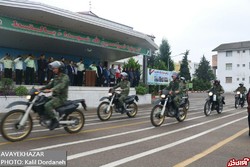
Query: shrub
(21, 91)
(6, 86)
(141, 89)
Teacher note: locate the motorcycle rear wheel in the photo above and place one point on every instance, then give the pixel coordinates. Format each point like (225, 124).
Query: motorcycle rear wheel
(182, 114)
(102, 112)
(77, 116)
(10, 122)
(156, 118)
(134, 109)
(207, 108)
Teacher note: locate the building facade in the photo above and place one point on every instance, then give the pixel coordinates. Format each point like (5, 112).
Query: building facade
(233, 65)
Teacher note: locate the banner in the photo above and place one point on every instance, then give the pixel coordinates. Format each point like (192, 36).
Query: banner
(158, 77)
(56, 33)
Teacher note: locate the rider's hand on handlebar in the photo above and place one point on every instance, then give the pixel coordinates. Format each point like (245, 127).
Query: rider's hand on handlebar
(47, 90)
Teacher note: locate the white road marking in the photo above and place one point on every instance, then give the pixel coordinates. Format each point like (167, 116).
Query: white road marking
(141, 140)
(137, 156)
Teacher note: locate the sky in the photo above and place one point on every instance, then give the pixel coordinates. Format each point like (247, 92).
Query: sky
(195, 25)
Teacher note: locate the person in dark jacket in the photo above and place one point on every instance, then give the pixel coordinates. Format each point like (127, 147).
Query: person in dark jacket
(41, 69)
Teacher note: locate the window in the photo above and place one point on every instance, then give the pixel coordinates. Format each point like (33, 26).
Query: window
(238, 51)
(243, 79)
(229, 54)
(238, 65)
(229, 79)
(243, 65)
(228, 66)
(238, 79)
(243, 51)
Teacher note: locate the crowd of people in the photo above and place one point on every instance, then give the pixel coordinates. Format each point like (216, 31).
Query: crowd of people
(30, 71)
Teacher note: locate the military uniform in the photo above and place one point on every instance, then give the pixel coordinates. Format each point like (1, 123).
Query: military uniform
(242, 90)
(176, 86)
(125, 86)
(59, 86)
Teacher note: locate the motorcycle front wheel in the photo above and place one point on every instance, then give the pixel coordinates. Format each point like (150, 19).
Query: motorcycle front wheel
(220, 108)
(102, 111)
(236, 105)
(79, 119)
(156, 118)
(133, 109)
(207, 108)
(187, 105)
(10, 128)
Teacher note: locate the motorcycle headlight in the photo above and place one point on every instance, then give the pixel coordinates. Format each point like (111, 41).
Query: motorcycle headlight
(110, 94)
(28, 97)
(238, 92)
(163, 96)
(210, 93)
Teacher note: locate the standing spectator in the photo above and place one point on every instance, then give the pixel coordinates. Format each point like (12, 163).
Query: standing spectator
(50, 73)
(131, 77)
(99, 75)
(118, 74)
(106, 75)
(19, 69)
(138, 76)
(75, 75)
(71, 72)
(8, 66)
(248, 110)
(63, 61)
(30, 70)
(80, 71)
(41, 69)
(112, 71)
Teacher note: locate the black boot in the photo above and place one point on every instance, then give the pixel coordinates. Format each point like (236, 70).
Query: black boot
(54, 124)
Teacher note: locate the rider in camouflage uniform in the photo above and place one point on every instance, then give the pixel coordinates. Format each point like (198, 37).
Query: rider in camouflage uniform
(176, 91)
(59, 88)
(242, 89)
(218, 90)
(125, 87)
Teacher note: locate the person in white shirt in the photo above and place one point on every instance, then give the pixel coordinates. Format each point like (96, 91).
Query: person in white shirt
(30, 70)
(19, 69)
(8, 65)
(80, 71)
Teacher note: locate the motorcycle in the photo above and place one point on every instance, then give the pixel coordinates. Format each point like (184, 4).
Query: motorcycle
(106, 108)
(212, 103)
(165, 108)
(239, 100)
(17, 124)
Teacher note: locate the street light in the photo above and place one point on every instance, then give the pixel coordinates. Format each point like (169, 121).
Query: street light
(173, 56)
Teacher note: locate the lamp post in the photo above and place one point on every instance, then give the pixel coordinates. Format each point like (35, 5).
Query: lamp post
(173, 56)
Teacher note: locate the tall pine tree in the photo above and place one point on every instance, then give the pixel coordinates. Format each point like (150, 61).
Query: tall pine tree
(184, 70)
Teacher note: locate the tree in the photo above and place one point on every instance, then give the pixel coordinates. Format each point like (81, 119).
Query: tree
(152, 60)
(204, 71)
(164, 55)
(131, 63)
(204, 75)
(184, 70)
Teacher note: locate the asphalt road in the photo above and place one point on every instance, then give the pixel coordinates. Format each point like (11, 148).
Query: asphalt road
(199, 141)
